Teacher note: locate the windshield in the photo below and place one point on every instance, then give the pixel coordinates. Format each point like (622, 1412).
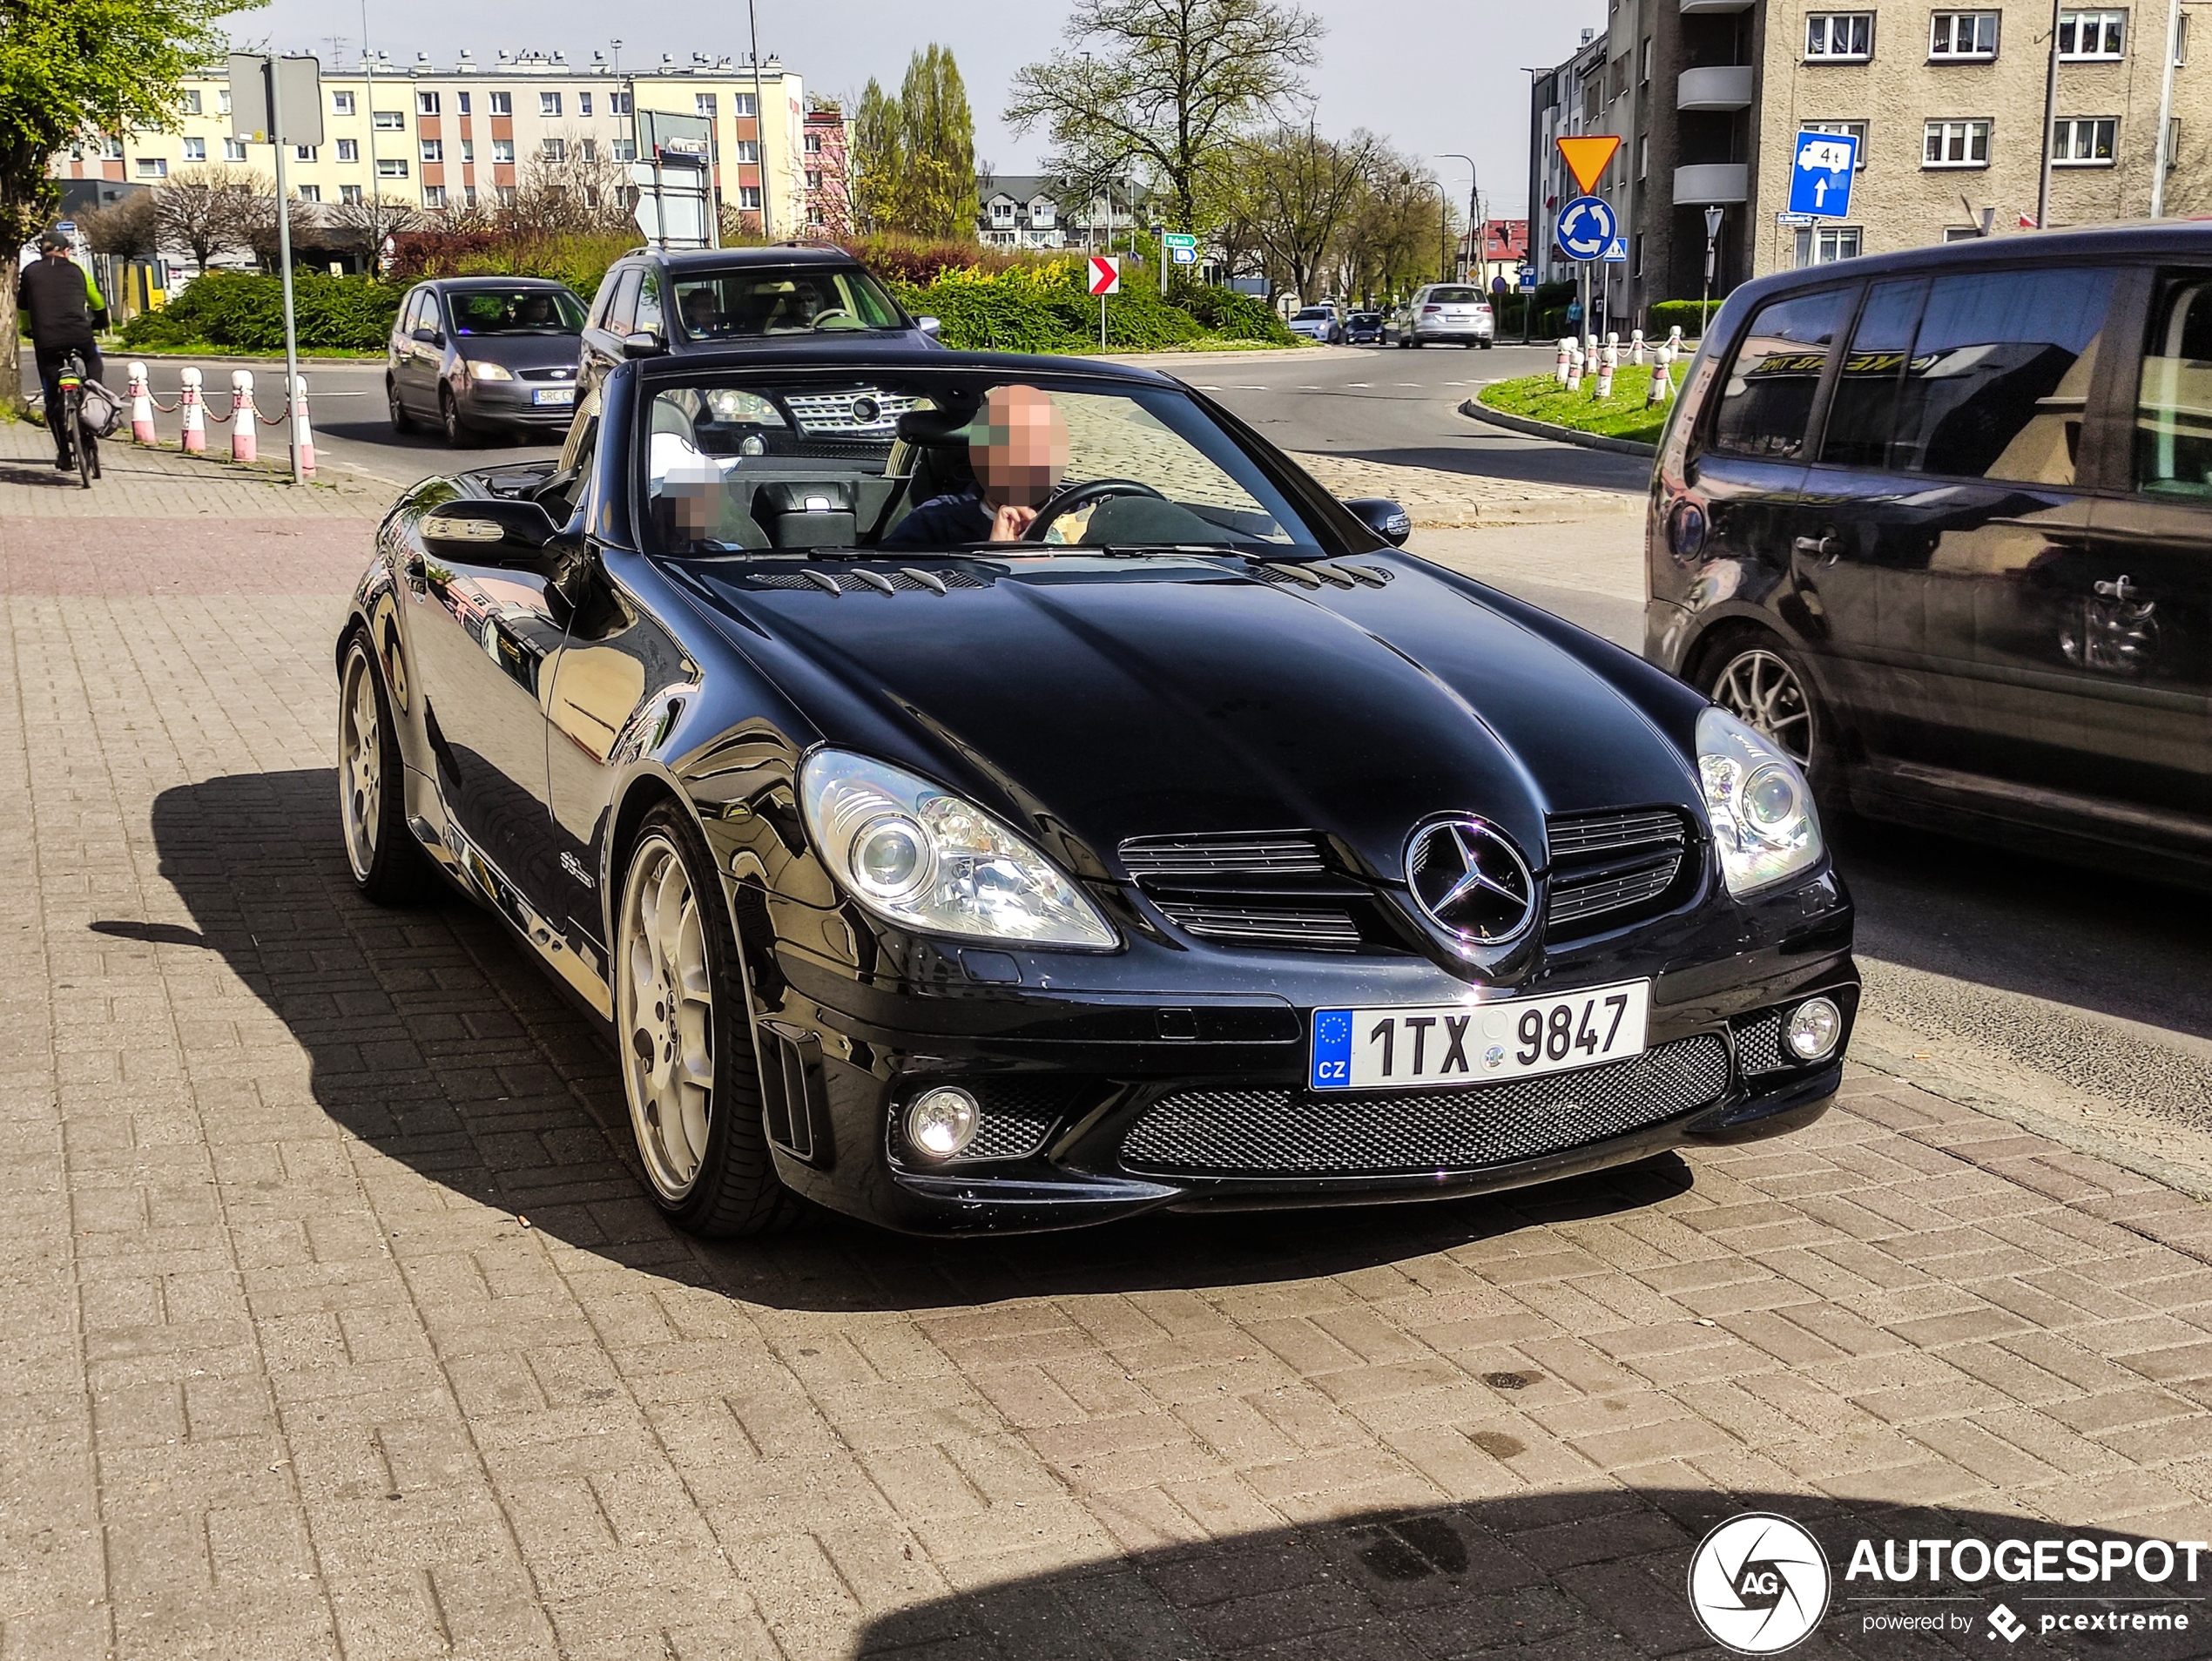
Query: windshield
(1366, 317)
(918, 462)
(745, 305)
(516, 311)
(1313, 313)
(1451, 296)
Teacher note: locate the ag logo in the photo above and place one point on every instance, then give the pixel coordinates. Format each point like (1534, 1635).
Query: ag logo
(1758, 1584)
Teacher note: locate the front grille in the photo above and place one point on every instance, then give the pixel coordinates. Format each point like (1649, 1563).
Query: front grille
(833, 412)
(1267, 888)
(555, 373)
(1759, 1046)
(1332, 931)
(1213, 855)
(1285, 1132)
(1612, 866)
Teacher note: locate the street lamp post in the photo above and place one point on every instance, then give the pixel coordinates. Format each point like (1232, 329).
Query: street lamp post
(1713, 217)
(1474, 202)
(759, 127)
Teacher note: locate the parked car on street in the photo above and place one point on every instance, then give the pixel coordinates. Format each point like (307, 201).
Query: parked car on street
(1363, 328)
(1318, 323)
(1060, 808)
(654, 301)
(1937, 524)
(473, 355)
(1445, 314)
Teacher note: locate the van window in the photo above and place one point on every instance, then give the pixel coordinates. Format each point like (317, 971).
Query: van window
(1862, 421)
(2173, 409)
(1766, 398)
(649, 317)
(1999, 381)
(622, 309)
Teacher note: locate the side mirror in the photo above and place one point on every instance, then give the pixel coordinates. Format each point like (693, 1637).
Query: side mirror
(429, 337)
(490, 530)
(643, 344)
(1383, 517)
(928, 326)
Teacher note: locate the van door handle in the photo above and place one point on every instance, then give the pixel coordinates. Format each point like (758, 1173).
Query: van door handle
(1826, 546)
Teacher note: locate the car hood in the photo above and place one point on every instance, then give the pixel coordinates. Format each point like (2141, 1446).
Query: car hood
(1111, 698)
(521, 351)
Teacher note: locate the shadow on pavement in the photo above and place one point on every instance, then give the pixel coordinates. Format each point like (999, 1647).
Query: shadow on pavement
(432, 1039)
(1567, 1573)
(1492, 452)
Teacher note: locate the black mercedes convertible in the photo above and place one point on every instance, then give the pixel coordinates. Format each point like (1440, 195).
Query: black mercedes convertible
(988, 792)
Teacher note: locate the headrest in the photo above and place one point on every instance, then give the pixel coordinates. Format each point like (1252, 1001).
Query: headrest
(945, 426)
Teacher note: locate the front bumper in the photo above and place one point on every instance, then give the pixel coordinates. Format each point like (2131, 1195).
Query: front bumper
(1075, 1084)
(513, 403)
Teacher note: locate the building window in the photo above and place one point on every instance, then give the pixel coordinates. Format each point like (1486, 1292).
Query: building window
(503, 150)
(503, 103)
(814, 178)
(425, 104)
(349, 150)
(2084, 141)
(112, 148)
(433, 196)
(589, 149)
(741, 104)
(703, 103)
(618, 104)
(814, 144)
(1956, 144)
(233, 150)
(1962, 234)
(504, 194)
(303, 152)
(1820, 245)
(746, 149)
(467, 149)
(549, 104)
(1839, 37)
(749, 196)
(433, 150)
(389, 121)
(554, 149)
(461, 103)
(341, 104)
(191, 100)
(1001, 213)
(2092, 35)
(1963, 37)
(195, 150)
(223, 102)
(1644, 155)
(1644, 71)
(1040, 214)
(391, 167)
(814, 214)
(309, 192)
(1855, 129)
(350, 193)
(623, 148)
(153, 167)
(1637, 269)
(584, 104)
(468, 196)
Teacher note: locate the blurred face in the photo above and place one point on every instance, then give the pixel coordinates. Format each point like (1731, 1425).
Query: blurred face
(1022, 447)
(695, 499)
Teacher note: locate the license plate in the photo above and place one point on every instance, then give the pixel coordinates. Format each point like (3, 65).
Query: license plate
(1478, 1044)
(554, 395)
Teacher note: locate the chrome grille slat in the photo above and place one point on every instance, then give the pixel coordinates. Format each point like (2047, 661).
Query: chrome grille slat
(1573, 904)
(1603, 863)
(1601, 832)
(1159, 856)
(1315, 930)
(1287, 1133)
(832, 412)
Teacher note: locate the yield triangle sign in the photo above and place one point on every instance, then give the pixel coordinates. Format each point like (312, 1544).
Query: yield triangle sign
(1586, 157)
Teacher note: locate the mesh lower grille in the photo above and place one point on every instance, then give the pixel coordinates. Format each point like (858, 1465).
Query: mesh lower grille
(1285, 1132)
(1017, 1116)
(1759, 1046)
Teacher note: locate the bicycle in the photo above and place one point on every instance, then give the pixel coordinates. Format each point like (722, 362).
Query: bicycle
(79, 434)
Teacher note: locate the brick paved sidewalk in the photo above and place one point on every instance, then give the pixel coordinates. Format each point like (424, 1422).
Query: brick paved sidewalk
(291, 1375)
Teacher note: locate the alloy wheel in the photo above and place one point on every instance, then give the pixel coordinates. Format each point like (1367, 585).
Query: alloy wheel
(665, 1016)
(1760, 689)
(361, 763)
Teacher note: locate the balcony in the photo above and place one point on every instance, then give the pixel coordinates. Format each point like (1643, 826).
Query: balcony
(1691, 7)
(1712, 183)
(1726, 87)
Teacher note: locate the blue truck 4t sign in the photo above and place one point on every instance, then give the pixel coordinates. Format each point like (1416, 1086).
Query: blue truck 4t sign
(1820, 174)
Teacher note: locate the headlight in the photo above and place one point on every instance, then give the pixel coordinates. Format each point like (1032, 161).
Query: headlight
(480, 371)
(1759, 803)
(929, 861)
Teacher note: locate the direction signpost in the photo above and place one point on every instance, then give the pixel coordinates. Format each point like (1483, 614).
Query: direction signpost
(1176, 248)
(1105, 279)
(1586, 228)
(278, 101)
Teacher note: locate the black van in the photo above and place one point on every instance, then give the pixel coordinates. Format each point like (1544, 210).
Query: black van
(1941, 524)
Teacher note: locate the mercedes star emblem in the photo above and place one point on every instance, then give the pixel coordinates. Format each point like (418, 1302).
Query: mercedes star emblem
(1471, 881)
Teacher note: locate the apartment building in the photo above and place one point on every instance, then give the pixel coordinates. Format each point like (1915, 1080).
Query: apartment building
(461, 136)
(1947, 102)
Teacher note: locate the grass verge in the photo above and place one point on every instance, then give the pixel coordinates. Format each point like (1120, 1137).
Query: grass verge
(1540, 397)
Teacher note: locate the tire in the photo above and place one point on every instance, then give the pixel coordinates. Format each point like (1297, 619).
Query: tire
(389, 865)
(1487, 345)
(401, 421)
(449, 419)
(1762, 681)
(1414, 341)
(684, 1036)
(80, 441)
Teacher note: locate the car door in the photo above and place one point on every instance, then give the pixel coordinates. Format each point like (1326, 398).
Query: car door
(407, 375)
(610, 322)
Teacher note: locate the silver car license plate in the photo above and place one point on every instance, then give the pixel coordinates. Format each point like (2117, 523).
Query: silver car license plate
(554, 395)
(1416, 1047)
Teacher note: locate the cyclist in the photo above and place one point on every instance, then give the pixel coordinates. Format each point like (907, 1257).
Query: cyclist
(64, 309)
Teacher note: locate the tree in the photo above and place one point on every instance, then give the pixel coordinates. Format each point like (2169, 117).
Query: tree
(874, 159)
(1166, 86)
(1393, 240)
(1300, 192)
(210, 210)
(936, 192)
(569, 185)
(70, 67)
(128, 228)
(363, 224)
(303, 225)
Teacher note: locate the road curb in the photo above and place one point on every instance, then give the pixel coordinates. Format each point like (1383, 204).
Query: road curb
(1552, 430)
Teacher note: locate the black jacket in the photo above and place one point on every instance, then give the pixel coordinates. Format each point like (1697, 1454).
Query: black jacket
(58, 298)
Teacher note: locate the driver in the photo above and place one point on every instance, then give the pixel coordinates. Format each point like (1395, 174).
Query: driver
(702, 310)
(1018, 450)
(534, 311)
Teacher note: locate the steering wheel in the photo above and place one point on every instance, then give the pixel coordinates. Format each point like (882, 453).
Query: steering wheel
(821, 318)
(1081, 496)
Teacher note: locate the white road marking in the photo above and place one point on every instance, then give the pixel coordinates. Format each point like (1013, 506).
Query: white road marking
(1409, 383)
(1360, 383)
(1255, 389)
(1204, 388)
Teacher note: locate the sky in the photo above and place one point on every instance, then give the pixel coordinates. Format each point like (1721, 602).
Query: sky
(1432, 76)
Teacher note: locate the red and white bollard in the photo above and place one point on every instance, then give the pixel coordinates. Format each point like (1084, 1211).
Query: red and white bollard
(141, 405)
(1674, 340)
(1663, 377)
(1558, 368)
(303, 437)
(1635, 348)
(1575, 368)
(244, 442)
(1608, 358)
(193, 437)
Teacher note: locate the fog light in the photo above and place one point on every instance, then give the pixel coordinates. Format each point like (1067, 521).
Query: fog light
(1812, 1029)
(942, 1120)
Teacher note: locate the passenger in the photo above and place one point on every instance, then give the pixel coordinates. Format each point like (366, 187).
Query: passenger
(692, 503)
(536, 311)
(1018, 452)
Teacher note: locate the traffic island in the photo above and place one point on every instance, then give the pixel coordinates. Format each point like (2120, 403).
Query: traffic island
(1540, 406)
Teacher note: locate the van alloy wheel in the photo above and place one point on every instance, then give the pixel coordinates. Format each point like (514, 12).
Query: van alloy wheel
(1761, 690)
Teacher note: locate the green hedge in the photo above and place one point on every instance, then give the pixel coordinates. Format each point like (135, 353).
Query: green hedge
(244, 311)
(1045, 309)
(1668, 314)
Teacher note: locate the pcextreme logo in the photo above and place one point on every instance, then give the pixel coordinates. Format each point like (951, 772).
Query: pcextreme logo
(1758, 1584)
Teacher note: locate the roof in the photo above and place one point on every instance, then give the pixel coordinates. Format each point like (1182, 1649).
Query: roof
(860, 355)
(791, 253)
(500, 282)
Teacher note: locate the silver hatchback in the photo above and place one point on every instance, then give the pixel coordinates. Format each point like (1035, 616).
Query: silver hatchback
(1446, 313)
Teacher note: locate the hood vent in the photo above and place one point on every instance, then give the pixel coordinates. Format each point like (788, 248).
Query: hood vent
(866, 580)
(1611, 869)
